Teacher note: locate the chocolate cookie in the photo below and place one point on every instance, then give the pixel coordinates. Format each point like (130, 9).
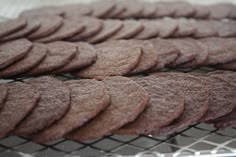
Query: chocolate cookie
(228, 76)
(149, 10)
(202, 54)
(167, 53)
(88, 98)
(219, 11)
(53, 104)
(11, 26)
(149, 56)
(232, 12)
(201, 11)
(85, 56)
(164, 107)
(187, 51)
(221, 50)
(59, 54)
(3, 95)
(221, 98)
(228, 120)
(102, 8)
(167, 27)
(110, 27)
(185, 28)
(76, 10)
(182, 9)
(69, 28)
(29, 28)
(204, 29)
(21, 100)
(42, 11)
(164, 9)
(119, 8)
(129, 29)
(225, 28)
(92, 27)
(195, 95)
(12, 51)
(132, 9)
(150, 30)
(49, 25)
(32, 59)
(111, 61)
(128, 100)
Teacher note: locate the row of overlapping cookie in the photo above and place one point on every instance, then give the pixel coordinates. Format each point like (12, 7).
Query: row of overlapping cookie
(122, 9)
(21, 58)
(53, 28)
(46, 109)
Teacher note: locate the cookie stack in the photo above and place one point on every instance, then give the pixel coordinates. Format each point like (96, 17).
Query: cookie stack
(86, 109)
(22, 58)
(102, 42)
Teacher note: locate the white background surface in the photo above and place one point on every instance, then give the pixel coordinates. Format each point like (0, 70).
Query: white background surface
(11, 8)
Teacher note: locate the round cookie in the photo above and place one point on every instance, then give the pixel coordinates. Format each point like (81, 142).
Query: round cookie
(201, 11)
(49, 25)
(102, 8)
(3, 95)
(128, 100)
(167, 27)
(225, 28)
(11, 26)
(228, 76)
(164, 9)
(201, 57)
(112, 60)
(185, 28)
(22, 98)
(42, 11)
(149, 10)
(148, 58)
(164, 107)
(69, 28)
(187, 51)
(92, 27)
(59, 54)
(167, 53)
(219, 11)
(195, 95)
(110, 27)
(12, 51)
(85, 56)
(129, 29)
(204, 29)
(221, 98)
(76, 10)
(53, 104)
(182, 9)
(228, 120)
(29, 28)
(32, 59)
(88, 98)
(119, 8)
(132, 9)
(150, 30)
(221, 50)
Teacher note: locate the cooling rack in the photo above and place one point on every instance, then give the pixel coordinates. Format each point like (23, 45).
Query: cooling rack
(196, 140)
